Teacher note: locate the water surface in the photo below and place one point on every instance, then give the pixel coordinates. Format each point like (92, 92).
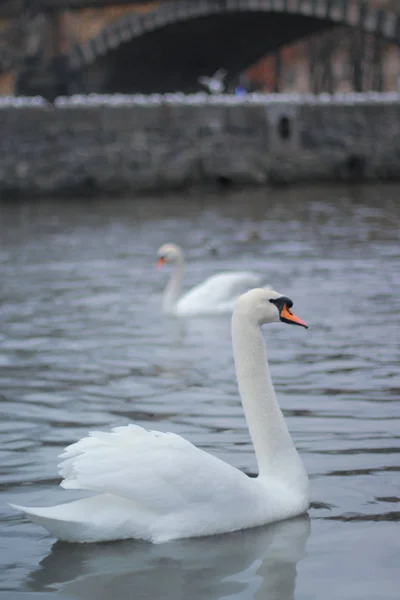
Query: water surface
(83, 346)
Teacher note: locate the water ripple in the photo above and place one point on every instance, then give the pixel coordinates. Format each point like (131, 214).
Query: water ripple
(83, 344)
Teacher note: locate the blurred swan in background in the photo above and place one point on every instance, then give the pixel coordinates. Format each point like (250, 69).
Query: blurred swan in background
(159, 487)
(217, 294)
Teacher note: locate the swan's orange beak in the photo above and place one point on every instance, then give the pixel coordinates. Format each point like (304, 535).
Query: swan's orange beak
(160, 262)
(289, 317)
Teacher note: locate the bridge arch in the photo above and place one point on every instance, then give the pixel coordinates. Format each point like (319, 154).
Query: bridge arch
(136, 39)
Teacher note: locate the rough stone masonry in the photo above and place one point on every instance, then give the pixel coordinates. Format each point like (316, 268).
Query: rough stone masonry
(99, 146)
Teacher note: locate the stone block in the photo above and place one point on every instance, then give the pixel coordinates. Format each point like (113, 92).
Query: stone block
(160, 146)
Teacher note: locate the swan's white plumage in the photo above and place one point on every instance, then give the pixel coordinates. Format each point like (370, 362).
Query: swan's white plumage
(217, 294)
(158, 486)
(154, 486)
(146, 460)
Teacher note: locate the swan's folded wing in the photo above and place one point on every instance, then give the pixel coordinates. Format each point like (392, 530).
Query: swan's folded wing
(161, 471)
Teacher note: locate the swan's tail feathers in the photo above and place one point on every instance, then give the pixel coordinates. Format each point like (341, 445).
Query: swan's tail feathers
(51, 519)
(97, 518)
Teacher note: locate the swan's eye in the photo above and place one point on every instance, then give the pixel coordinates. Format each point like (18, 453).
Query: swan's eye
(281, 302)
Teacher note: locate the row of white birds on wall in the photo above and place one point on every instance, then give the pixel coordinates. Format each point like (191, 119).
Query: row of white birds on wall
(158, 486)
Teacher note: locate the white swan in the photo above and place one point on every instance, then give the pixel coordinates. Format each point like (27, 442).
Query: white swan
(217, 294)
(158, 486)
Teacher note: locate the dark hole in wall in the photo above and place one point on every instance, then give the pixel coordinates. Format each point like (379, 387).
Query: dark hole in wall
(224, 181)
(284, 128)
(355, 166)
(89, 184)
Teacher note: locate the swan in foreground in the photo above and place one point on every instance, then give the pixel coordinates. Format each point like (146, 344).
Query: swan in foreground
(217, 294)
(158, 486)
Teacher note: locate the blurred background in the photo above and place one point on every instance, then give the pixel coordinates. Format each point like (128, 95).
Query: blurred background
(58, 47)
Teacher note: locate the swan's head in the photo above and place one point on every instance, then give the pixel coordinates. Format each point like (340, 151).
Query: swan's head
(168, 253)
(262, 306)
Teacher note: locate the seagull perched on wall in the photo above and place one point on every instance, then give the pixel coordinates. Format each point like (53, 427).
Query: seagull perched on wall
(214, 84)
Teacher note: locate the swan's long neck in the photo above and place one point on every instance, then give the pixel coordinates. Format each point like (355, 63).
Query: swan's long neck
(173, 287)
(273, 445)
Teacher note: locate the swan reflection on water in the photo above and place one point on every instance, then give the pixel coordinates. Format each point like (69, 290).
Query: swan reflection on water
(256, 564)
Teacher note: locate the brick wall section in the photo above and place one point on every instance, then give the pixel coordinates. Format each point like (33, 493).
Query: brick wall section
(86, 23)
(141, 148)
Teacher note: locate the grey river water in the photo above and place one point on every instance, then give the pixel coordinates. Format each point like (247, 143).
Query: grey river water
(83, 346)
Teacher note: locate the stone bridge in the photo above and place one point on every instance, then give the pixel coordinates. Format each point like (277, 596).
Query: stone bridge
(166, 46)
(169, 47)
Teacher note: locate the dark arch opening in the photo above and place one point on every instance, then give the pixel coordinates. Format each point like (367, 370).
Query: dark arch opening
(173, 57)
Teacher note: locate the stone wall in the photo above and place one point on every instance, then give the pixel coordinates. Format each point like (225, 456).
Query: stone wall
(156, 145)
